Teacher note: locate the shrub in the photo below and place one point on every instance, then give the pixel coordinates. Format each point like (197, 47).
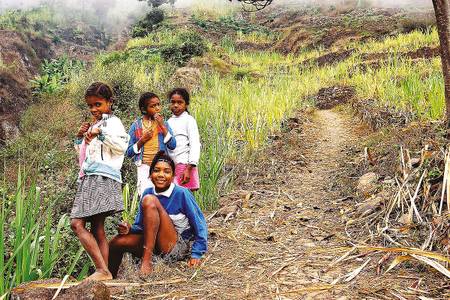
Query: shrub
(183, 48)
(149, 23)
(55, 73)
(418, 24)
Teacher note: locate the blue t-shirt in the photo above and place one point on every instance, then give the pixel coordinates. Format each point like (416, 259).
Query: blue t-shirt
(185, 214)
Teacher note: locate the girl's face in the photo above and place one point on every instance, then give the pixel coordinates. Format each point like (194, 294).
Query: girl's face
(177, 105)
(98, 106)
(153, 107)
(162, 176)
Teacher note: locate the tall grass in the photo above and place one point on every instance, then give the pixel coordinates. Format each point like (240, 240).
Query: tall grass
(30, 242)
(401, 43)
(130, 204)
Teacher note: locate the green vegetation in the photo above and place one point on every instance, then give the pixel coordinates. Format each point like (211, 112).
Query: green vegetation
(54, 74)
(31, 247)
(148, 24)
(227, 22)
(130, 204)
(33, 20)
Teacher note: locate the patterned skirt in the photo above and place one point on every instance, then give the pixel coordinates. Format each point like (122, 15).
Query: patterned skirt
(97, 195)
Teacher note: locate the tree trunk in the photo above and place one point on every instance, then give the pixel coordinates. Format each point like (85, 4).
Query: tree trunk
(441, 9)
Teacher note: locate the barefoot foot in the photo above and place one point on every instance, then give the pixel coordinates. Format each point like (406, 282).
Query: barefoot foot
(100, 275)
(146, 268)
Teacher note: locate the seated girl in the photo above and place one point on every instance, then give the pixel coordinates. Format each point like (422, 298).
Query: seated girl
(168, 222)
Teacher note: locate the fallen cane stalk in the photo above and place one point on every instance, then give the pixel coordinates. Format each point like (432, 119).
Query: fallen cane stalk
(60, 287)
(445, 184)
(413, 203)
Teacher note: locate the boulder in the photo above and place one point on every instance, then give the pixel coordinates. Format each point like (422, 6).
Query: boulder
(187, 77)
(367, 184)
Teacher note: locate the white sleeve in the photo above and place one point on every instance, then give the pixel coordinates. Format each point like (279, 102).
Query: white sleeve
(114, 136)
(194, 142)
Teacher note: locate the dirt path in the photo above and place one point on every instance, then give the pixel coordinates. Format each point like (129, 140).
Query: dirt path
(282, 226)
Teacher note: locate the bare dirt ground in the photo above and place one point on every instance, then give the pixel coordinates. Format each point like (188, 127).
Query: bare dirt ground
(282, 229)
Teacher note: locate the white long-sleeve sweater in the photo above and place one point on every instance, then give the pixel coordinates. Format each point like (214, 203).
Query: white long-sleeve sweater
(105, 153)
(186, 134)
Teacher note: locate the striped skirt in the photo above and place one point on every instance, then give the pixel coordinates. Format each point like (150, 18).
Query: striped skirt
(97, 195)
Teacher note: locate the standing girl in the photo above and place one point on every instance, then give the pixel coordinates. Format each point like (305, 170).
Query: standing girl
(149, 134)
(101, 145)
(187, 153)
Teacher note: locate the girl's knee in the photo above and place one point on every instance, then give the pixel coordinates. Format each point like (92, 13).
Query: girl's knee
(150, 202)
(115, 243)
(77, 225)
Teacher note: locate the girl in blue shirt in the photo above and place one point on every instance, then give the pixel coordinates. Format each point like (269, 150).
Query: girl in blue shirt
(168, 222)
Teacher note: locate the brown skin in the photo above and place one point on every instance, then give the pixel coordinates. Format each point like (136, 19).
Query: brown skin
(94, 241)
(159, 232)
(153, 110)
(178, 106)
(97, 107)
(95, 244)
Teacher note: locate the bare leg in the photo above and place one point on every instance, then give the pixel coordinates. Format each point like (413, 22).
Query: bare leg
(98, 231)
(158, 229)
(90, 245)
(119, 245)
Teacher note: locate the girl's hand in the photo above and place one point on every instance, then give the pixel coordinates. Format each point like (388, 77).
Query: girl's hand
(146, 136)
(186, 176)
(160, 123)
(124, 228)
(83, 129)
(159, 120)
(90, 135)
(194, 262)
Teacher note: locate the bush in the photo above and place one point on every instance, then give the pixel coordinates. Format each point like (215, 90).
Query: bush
(149, 23)
(420, 24)
(55, 73)
(183, 48)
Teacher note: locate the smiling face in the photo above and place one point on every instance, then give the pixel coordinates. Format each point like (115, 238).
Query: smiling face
(177, 105)
(162, 176)
(98, 106)
(153, 106)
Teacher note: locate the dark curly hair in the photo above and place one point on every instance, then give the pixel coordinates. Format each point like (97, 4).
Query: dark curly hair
(162, 156)
(182, 92)
(101, 90)
(144, 99)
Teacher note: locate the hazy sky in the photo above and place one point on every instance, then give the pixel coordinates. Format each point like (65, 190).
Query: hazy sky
(132, 4)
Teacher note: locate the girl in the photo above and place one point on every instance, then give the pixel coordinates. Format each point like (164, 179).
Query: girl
(148, 135)
(101, 145)
(167, 220)
(187, 153)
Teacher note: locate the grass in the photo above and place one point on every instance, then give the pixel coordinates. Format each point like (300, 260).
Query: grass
(402, 43)
(413, 86)
(31, 244)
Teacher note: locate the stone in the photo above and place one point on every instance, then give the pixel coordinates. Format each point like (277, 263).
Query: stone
(227, 210)
(87, 290)
(187, 77)
(367, 184)
(415, 162)
(370, 205)
(31, 290)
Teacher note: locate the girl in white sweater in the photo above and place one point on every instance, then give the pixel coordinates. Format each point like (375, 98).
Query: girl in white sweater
(187, 153)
